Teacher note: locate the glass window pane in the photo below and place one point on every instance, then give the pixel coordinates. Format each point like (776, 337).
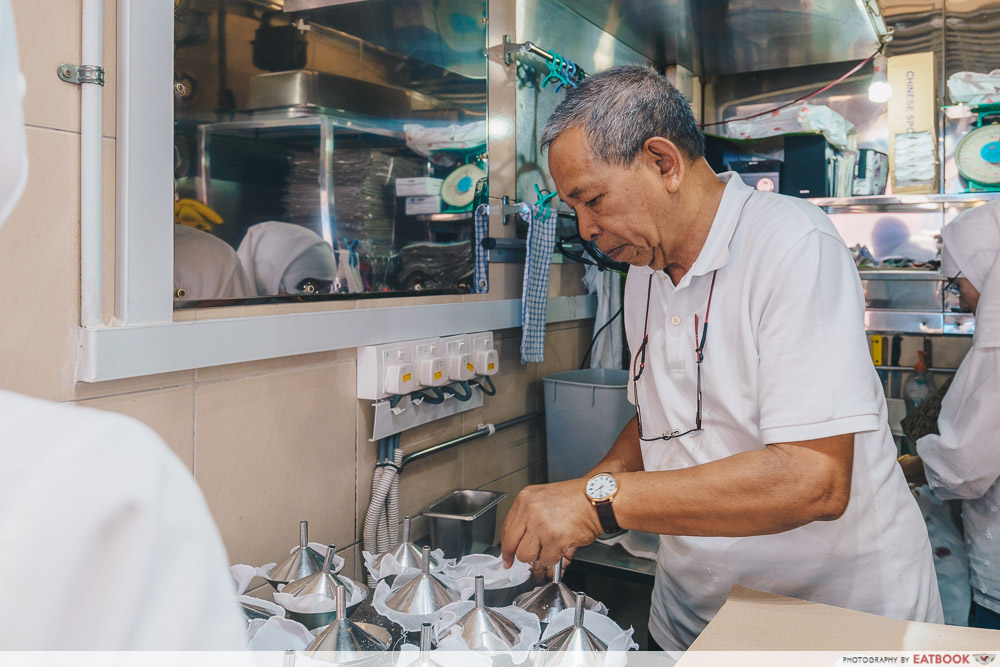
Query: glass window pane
(324, 152)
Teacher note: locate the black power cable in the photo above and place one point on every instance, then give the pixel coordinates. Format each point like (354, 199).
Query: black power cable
(599, 331)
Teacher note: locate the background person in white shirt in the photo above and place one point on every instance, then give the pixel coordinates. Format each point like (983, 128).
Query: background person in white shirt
(963, 461)
(106, 542)
(769, 464)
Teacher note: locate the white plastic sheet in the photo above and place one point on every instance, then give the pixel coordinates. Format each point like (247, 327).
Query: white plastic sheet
(278, 634)
(445, 145)
(974, 88)
(320, 604)
(798, 118)
(242, 576)
(491, 568)
(390, 566)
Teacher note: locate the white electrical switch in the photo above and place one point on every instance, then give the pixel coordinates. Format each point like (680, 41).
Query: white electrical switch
(427, 355)
(485, 359)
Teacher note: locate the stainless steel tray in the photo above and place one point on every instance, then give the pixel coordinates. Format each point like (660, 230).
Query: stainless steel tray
(308, 88)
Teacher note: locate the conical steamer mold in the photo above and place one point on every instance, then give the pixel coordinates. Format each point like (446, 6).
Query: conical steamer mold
(546, 602)
(303, 561)
(407, 554)
(425, 660)
(322, 583)
(576, 645)
(423, 594)
(484, 629)
(345, 637)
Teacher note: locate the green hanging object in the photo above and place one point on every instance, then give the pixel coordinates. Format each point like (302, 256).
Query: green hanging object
(543, 201)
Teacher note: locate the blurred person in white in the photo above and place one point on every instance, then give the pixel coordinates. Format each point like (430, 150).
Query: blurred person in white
(962, 462)
(207, 270)
(282, 258)
(106, 542)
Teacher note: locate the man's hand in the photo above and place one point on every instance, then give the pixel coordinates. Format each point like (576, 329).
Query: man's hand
(913, 469)
(548, 522)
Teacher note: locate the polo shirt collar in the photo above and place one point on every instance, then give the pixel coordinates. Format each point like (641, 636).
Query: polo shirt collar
(715, 252)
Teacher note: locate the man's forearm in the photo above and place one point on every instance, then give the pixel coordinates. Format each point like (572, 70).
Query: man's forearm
(625, 455)
(767, 491)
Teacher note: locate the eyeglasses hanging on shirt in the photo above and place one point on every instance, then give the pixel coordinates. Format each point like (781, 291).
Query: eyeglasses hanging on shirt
(640, 360)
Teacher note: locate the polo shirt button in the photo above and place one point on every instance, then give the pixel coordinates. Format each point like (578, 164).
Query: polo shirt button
(675, 320)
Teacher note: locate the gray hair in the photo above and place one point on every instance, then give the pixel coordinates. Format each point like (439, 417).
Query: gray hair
(620, 108)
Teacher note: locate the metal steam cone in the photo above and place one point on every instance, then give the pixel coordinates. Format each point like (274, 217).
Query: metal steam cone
(423, 594)
(548, 600)
(303, 561)
(407, 554)
(485, 629)
(322, 583)
(576, 645)
(344, 636)
(425, 659)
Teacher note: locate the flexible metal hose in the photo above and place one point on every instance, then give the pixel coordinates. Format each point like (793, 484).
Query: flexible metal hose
(393, 503)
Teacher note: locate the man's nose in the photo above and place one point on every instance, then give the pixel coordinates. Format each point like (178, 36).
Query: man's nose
(589, 229)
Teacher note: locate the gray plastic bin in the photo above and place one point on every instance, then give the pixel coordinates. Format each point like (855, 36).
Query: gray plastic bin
(584, 413)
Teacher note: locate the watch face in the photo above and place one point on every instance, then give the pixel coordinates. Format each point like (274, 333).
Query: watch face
(600, 487)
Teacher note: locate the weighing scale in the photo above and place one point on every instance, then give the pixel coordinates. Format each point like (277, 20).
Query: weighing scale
(977, 155)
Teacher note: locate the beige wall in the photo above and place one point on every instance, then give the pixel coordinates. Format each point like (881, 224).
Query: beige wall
(270, 442)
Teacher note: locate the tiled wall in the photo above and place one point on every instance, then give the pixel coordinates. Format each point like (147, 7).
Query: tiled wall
(269, 442)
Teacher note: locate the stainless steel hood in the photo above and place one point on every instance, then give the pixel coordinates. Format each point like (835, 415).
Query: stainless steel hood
(712, 37)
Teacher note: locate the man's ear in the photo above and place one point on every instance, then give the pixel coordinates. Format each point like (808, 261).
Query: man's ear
(664, 156)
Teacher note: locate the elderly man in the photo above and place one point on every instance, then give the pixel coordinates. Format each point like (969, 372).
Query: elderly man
(762, 456)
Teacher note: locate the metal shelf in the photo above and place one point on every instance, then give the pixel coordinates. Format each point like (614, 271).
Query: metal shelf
(896, 201)
(901, 274)
(464, 216)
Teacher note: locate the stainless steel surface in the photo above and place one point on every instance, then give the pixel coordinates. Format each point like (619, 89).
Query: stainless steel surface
(321, 583)
(252, 611)
(475, 435)
(81, 74)
(895, 202)
(888, 321)
(464, 521)
(575, 645)
(721, 36)
(424, 594)
(484, 629)
(302, 562)
(426, 635)
(309, 88)
(595, 41)
(407, 554)
(349, 641)
(614, 560)
(547, 601)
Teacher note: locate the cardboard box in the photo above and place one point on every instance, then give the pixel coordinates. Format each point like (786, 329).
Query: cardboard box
(422, 205)
(755, 621)
(913, 111)
(418, 187)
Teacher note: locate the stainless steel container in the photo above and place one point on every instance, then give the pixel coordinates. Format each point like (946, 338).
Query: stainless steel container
(322, 90)
(464, 521)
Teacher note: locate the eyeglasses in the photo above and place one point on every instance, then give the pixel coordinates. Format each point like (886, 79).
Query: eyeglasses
(640, 361)
(951, 287)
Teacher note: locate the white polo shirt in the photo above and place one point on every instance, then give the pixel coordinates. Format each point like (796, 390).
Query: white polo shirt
(786, 360)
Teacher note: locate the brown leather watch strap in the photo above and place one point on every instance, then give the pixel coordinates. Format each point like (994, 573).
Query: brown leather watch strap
(606, 515)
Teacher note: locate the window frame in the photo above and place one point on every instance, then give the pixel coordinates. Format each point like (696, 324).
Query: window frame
(143, 338)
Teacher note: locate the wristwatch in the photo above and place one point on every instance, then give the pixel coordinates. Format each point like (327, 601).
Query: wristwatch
(601, 490)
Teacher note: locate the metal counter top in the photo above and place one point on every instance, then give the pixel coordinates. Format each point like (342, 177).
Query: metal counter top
(613, 561)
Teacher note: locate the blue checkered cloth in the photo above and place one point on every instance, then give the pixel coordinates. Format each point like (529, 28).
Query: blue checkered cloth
(481, 274)
(535, 293)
